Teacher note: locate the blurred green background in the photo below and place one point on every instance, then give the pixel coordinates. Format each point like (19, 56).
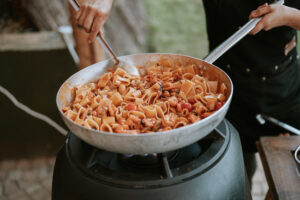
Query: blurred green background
(177, 26)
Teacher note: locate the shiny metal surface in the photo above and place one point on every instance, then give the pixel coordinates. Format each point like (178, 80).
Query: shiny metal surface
(236, 37)
(261, 119)
(144, 143)
(297, 151)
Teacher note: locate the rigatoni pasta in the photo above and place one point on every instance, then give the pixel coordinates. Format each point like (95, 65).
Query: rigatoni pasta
(164, 98)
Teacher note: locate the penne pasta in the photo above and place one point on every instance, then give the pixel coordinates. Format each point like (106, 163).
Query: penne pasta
(166, 96)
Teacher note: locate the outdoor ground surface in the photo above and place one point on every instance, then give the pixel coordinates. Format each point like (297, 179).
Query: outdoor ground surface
(31, 179)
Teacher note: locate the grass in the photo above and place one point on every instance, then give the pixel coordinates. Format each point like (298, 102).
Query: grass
(177, 26)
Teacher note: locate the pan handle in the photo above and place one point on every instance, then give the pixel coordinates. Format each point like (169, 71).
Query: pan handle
(236, 37)
(75, 4)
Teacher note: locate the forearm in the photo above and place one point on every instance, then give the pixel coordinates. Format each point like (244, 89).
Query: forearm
(293, 18)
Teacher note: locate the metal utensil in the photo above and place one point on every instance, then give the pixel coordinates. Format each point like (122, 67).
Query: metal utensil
(129, 67)
(262, 120)
(236, 37)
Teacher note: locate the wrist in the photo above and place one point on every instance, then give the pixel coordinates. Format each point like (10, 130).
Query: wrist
(292, 17)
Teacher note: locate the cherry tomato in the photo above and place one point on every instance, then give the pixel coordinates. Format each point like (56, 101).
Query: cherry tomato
(187, 106)
(131, 107)
(192, 101)
(219, 105)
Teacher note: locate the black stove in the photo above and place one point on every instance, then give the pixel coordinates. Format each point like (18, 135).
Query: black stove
(211, 168)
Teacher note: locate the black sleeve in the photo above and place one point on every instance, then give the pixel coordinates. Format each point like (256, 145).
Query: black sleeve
(293, 3)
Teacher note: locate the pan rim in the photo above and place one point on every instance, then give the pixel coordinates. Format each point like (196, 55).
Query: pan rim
(152, 134)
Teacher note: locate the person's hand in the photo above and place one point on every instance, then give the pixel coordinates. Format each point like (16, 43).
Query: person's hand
(272, 16)
(92, 15)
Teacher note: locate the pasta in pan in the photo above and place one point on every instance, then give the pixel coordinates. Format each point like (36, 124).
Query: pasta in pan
(166, 97)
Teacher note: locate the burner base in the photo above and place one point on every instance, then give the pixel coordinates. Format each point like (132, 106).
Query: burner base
(222, 178)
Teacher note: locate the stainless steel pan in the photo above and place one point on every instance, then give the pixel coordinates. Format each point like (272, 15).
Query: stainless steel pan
(159, 141)
(144, 143)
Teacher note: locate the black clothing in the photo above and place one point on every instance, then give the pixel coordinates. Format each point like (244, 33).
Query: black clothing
(266, 77)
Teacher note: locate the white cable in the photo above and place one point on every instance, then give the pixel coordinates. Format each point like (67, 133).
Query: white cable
(32, 112)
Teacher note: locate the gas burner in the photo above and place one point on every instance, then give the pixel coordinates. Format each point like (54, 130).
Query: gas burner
(152, 167)
(198, 170)
(143, 162)
(149, 166)
(149, 161)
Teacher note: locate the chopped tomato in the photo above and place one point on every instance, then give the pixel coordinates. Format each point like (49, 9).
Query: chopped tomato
(192, 101)
(131, 107)
(219, 105)
(187, 106)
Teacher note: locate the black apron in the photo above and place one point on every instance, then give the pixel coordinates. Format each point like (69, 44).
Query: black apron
(264, 69)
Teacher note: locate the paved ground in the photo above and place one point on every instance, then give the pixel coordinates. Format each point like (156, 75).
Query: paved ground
(32, 179)
(260, 186)
(26, 179)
